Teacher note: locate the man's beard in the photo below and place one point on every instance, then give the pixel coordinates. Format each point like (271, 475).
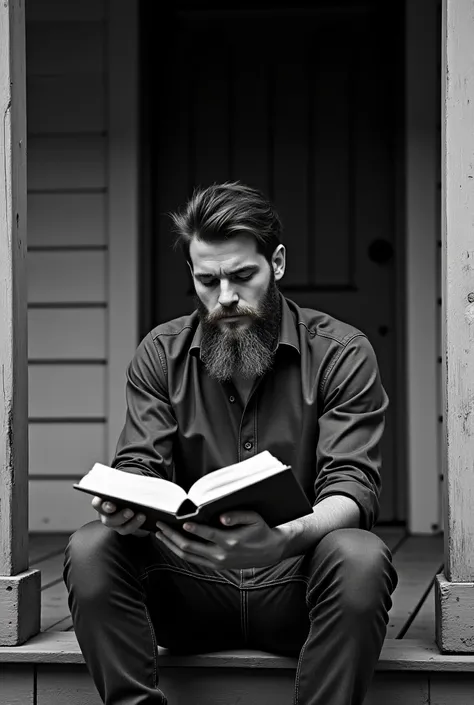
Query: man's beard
(228, 350)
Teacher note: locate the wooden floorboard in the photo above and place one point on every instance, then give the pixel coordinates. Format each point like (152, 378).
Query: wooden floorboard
(417, 561)
(391, 535)
(423, 626)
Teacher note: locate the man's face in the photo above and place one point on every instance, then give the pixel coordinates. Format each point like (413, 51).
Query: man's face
(238, 303)
(229, 277)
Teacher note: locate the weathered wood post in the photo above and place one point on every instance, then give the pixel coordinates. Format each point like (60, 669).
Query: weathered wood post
(455, 588)
(19, 587)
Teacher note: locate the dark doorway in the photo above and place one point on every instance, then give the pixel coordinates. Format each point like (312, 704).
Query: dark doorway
(304, 104)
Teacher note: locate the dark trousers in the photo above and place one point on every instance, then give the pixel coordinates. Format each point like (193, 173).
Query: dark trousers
(329, 608)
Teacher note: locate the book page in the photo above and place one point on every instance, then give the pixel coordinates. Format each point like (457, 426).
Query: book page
(149, 491)
(232, 478)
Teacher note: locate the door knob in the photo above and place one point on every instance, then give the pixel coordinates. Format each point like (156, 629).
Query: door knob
(380, 251)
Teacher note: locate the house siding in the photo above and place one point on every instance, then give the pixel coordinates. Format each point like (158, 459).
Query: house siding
(68, 255)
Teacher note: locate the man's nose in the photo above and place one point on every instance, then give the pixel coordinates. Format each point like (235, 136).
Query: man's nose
(227, 294)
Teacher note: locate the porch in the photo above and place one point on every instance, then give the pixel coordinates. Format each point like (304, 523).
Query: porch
(49, 668)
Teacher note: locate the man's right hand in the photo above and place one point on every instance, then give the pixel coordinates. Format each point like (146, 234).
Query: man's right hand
(122, 521)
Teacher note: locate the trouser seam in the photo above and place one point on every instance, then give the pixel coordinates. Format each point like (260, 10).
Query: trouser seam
(188, 573)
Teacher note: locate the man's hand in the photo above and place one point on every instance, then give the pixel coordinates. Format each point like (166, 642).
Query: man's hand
(123, 522)
(247, 542)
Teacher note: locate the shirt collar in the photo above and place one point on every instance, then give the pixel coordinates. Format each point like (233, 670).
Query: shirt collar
(288, 331)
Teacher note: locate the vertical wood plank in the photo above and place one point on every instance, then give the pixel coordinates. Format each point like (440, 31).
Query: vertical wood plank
(13, 316)
(458, 288)
(451, 689)
(422, 308)
(17, 684)
(123, 204)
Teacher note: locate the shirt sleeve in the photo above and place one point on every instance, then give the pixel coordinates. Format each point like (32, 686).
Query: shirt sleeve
(350, 428)
(145, 445)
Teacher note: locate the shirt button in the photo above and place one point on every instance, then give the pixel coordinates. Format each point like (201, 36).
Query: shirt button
(248, 445)
(231, 399)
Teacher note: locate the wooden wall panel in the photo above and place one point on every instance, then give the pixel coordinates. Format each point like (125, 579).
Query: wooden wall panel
(65, 48)
(66, 334)
(66, 219)
(66, 277)
(60, 11)
(66, 448)
(56, 506)
(331, 197)
(291, 159)
(69, 391)
(58, 163)
(62, 104)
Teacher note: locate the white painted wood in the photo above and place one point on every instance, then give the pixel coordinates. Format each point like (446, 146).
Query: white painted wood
(20, 605)
(66, 163)
(13, 321)
(76, 219)
(60, 11)
(71, 103)
(70, 391)
(422, 379)
(458, 288)
(454, 615)
(56, 506)
(64, 48)
(123, 206)
(66, 448)
(66, 277)
(65, 334)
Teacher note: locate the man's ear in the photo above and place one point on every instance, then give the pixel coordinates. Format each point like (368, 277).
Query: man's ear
(279, 262)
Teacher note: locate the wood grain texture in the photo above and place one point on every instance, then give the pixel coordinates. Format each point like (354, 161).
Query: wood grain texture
(74, 391)
(458, 288)
(20, 607)
(66, 449)
(454, 616)
(72, 334)
(55, 506)
(66, 277)
(54, 605)
(66, 220)
(423, 626)
(13, 320)
(17, 685)
(73, 162)
(123, 273)
(416, 562)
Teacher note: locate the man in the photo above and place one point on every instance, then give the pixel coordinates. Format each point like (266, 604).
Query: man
(247, 371)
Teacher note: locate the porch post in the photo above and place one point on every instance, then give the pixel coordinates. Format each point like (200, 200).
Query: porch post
(455, 588)
(19, 587)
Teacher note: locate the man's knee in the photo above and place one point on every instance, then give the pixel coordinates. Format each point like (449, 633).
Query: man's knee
(85, 558)
(359, 566)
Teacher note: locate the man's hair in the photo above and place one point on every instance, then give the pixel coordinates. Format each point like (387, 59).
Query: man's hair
(223, 211)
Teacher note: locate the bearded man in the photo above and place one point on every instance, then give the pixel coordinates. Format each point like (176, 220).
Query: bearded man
(247, 371)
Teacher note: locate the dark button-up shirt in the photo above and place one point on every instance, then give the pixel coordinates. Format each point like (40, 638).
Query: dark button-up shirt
(319, 409)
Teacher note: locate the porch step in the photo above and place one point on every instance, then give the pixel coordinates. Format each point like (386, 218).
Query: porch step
(49, 670)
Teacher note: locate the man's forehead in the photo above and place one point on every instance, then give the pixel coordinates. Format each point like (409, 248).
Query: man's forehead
(223, 257)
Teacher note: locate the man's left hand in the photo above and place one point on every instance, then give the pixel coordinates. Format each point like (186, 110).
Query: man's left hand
(246, 542)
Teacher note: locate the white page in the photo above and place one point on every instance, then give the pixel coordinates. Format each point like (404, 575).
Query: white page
(227, 480)
(151, 491)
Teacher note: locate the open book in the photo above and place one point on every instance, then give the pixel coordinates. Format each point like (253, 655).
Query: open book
(261, 483)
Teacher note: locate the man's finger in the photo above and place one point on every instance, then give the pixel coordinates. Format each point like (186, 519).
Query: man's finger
(187, 546)
(191, 557)
(241, 517)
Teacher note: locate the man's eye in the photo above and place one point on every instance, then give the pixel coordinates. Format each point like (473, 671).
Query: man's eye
(244, 277)
(209, 282)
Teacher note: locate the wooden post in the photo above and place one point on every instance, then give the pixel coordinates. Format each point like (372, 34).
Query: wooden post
(455, 588)
(19, 587)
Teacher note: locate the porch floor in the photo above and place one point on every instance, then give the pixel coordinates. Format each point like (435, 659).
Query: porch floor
(417, 560)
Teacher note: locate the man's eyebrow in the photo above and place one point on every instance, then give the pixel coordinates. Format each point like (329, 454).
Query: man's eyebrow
(247, 268)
